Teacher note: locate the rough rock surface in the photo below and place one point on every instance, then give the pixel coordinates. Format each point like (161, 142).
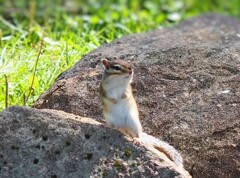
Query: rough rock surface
(50, 143)
(187, 86)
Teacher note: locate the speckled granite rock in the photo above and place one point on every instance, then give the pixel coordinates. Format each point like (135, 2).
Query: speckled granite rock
(50, 143)
(187, 86)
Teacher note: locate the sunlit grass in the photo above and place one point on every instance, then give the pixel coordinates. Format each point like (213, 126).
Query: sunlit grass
(70, 29)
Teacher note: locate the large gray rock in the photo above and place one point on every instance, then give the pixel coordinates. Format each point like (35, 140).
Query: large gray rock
(187, 86)
(50, 143)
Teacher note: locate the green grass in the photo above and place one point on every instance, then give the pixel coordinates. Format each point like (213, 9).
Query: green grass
(70, 29)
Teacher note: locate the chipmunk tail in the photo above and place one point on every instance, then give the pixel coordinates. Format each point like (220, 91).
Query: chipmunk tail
(164, 147)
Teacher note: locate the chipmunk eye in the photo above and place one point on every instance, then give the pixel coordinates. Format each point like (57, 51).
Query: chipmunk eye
(117, 67)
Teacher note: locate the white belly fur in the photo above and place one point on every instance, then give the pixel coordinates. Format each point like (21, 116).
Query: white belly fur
(117, 114)
(123, 115)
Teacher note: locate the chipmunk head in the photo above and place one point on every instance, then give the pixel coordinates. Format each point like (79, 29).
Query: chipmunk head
(118, 70)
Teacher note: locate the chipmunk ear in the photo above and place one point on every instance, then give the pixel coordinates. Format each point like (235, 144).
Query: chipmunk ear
(106, 63)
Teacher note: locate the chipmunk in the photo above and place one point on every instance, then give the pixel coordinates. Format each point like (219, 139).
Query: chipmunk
(120, 108)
